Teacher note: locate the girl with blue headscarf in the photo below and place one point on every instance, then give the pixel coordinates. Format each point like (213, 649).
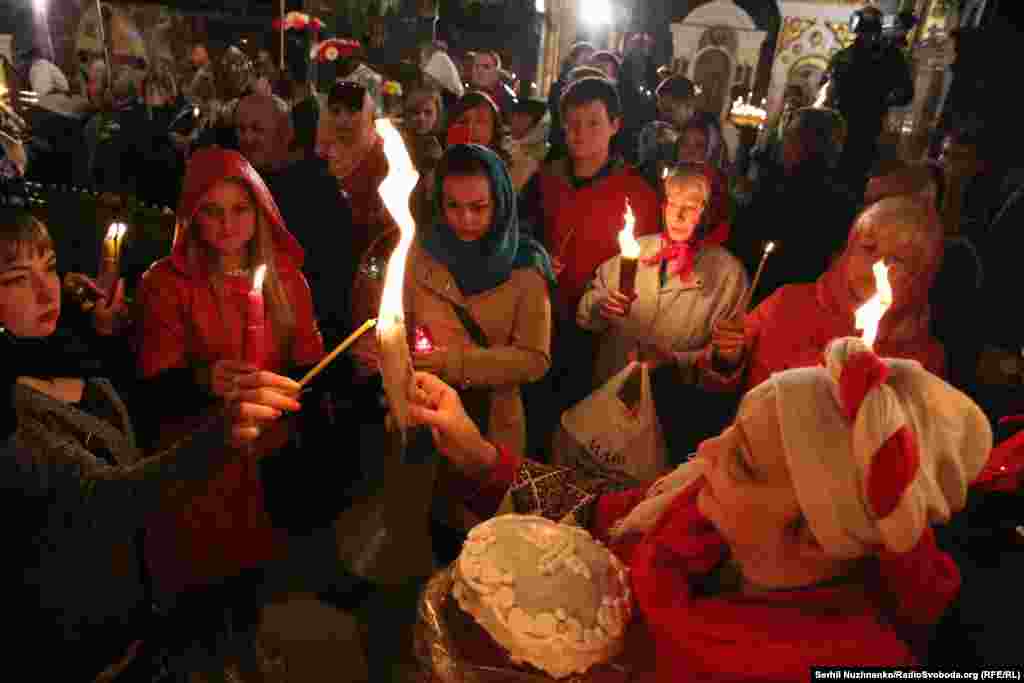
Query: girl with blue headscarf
(480, 289)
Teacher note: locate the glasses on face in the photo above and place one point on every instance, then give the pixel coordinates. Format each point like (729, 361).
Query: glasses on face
(348, 95)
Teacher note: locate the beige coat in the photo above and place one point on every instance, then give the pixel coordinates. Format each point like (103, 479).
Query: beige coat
(677, 317)
(515, 316)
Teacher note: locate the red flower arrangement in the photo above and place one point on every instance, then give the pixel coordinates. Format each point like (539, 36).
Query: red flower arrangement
(334, 48)
(298, 21)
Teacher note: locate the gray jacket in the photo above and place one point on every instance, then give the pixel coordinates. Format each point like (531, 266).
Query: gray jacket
(677, 317)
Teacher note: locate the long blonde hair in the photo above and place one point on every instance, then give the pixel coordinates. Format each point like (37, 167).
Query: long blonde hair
(260, 251)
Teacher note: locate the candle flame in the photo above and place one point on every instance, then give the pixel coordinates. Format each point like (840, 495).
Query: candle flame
(627, 242)
(395, 191)
(870, 313)
(769, 248)
(116, 231)
(257, 278)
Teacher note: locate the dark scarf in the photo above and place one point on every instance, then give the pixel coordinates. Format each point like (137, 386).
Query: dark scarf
(488, 262)
(62, 354)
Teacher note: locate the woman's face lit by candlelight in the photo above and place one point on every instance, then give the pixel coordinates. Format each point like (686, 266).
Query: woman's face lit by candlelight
(895, 246)
(748, 494)
(685, 199)
(693, 146)
(481, 124)
(468, 205)
(29, 291)
(227, 219)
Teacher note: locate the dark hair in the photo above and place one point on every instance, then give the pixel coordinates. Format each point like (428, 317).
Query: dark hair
(20, 230)
(459, 160)
(592, 89)
(348, 94)
(472, 100)
(679, 87)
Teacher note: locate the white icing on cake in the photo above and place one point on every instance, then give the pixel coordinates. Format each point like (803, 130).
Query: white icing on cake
(548, 593)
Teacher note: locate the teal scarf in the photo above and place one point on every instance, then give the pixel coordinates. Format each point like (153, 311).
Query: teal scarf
(488, 262)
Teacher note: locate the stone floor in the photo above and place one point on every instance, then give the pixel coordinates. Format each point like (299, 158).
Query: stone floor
(317, 643)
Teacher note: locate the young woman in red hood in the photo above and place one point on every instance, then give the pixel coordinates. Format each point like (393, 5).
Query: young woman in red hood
(194, 307)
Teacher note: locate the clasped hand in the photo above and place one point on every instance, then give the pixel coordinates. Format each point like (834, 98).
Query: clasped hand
(616, 305)
(729, 339)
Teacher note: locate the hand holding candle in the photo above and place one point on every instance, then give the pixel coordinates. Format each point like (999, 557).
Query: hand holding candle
(110, 261)
(395, 358)
(630, 254)
(869, 315)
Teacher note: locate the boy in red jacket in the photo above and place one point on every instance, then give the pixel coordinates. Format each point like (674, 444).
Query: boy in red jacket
(578, 204)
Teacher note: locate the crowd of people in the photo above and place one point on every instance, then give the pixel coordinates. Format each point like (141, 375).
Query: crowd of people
(152, 453)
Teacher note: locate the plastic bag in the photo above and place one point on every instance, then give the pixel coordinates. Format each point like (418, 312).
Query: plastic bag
(617, 428)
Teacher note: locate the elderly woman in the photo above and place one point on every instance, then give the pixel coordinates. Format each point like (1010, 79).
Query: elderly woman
(194, 348)
(779, 548)
(84, 488)
(790, 328)
(685, 284)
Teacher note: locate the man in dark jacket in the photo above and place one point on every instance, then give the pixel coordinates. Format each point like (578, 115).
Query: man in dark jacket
(311, 203)
(866, 79)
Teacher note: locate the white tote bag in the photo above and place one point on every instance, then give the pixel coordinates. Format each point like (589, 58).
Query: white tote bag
(616, 428)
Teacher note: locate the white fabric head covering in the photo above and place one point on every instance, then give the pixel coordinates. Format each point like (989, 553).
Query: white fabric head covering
(903, 461)
(855, 480)
(442, 69)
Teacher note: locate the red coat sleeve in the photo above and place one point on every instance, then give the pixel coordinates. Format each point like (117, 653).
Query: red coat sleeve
(308, 344)
(163, 331)
(484, 497)
(713, 380)
(613, 506)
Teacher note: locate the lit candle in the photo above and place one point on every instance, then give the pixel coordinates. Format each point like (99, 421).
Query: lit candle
(255, 323)
(868, 316)
(768, 248)
(630, 249)
(395, 359)
(422, 341)
(110, 263)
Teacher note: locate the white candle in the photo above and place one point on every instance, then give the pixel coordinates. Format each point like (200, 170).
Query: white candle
(868, 316)
(395, 359)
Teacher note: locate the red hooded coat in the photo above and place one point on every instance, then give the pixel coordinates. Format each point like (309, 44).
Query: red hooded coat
(184, 324)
